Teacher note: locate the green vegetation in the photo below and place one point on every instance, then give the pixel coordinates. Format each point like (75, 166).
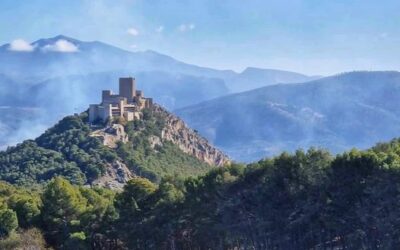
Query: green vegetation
(8, 222)
(306, 200)
(158, 160)
(28, 163)
(24, 239)
(71, 137)
(67, 150)
(69, 216)
(64, 150)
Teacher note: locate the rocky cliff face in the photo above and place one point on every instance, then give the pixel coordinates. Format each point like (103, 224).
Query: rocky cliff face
(176, 131)
(188, 140)
(117, 174)
(173, 130)
(111, 135)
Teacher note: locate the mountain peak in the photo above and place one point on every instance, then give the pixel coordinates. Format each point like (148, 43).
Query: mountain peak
(252, 69)
(256, 70)
(52, 40)
(61, 36)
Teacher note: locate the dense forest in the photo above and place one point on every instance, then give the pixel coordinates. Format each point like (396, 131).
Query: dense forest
(68, 150)
(305, 200)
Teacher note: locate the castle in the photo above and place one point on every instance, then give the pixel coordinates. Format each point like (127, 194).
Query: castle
(127, 104)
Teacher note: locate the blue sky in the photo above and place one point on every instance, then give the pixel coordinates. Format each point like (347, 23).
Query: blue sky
(308, 36)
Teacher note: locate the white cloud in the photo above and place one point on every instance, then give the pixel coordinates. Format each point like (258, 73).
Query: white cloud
(186, 27)
(21, 45)
(133, 46)
(61, 45)
(133, 32)
(160, 29)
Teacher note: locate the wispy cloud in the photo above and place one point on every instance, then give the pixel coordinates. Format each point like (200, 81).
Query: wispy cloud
(186, 27)
(133, 32)
(21, 45)
(61, 45)
(160, 29)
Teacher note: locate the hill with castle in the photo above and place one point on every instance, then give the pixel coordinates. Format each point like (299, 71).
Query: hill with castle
(125, 135)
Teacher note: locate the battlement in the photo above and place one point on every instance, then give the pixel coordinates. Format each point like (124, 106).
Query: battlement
(128, 103)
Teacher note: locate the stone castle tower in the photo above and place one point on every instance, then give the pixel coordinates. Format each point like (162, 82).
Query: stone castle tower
(127, 88)
(128, 103)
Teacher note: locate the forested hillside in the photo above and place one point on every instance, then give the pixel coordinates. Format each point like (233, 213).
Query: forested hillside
(68, 149)
(306, 200)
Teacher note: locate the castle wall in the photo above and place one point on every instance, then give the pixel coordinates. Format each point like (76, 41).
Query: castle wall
(113, 99)
(93, 112)
(105, 94)
(129, 116)
(139, 93)
(105, 112)
(149, 102)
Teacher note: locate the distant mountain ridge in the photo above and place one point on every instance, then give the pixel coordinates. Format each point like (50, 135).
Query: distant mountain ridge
(105, 57)
(92, 57)
(356, 109)
(252, 78)
(61, 75)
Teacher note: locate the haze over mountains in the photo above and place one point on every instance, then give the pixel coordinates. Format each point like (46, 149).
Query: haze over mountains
(61, 75)
(63, 56)
(349, 110)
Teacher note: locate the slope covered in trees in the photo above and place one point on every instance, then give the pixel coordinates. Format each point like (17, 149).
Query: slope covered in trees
(65, 149)
(305, 200)
(68, 149)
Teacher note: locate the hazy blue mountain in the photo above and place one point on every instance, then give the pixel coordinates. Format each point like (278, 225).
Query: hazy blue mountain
(10, 92)
(340, 112)
(57, 80)
(43, 63)
(252, 78)
(92, 57)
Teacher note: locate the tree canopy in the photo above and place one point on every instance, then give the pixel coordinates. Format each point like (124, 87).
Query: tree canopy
(305, 200)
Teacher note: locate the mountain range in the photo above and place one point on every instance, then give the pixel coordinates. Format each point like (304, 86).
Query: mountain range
(62, 75)
(43, 63)
(251, 114)
(356, 109)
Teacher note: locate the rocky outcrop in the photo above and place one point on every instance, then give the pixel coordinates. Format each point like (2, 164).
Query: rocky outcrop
(116, 176)
(188, 140)
(111, 135)
(174, 130)
(117, 173)
(155, 141)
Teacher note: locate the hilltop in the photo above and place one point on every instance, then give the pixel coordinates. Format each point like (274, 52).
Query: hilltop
(156, 146)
